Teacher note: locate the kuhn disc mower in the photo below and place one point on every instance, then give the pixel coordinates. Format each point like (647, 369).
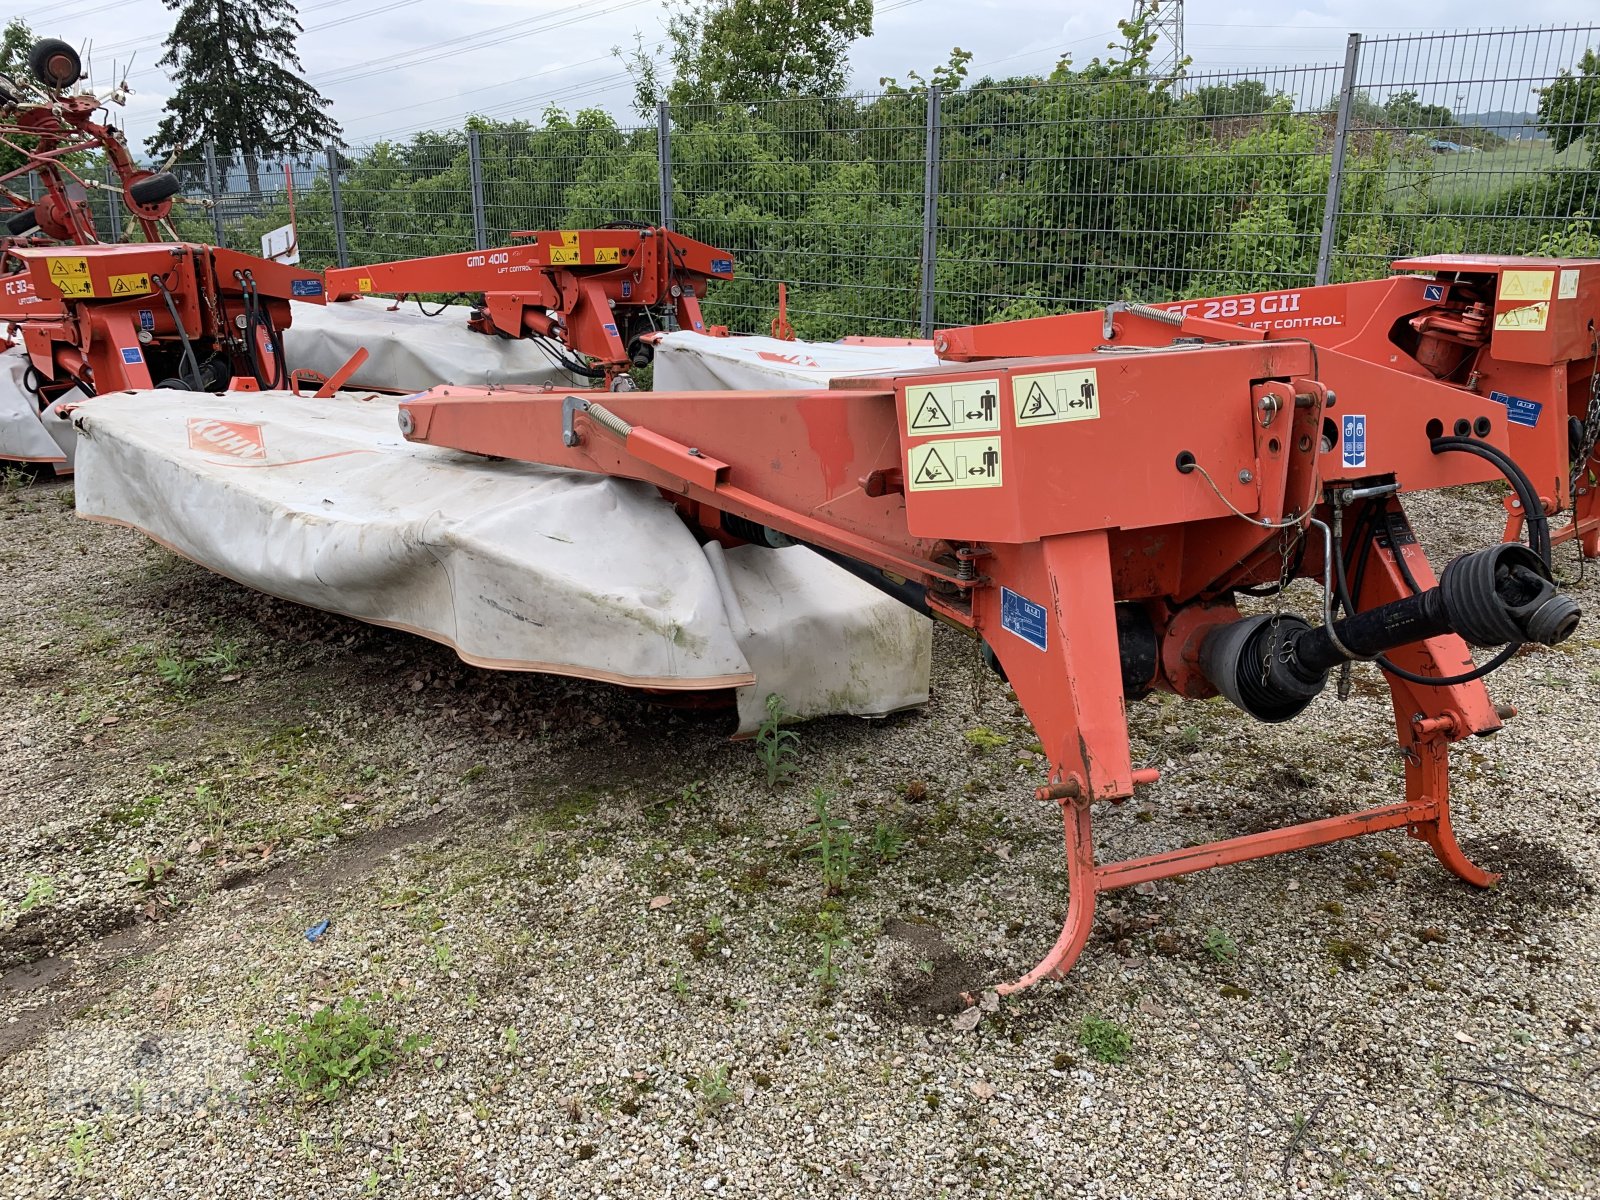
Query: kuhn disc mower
(1091, 517)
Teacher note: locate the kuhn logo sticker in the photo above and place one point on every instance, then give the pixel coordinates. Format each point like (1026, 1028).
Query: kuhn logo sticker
(236, 438)
(794, 360)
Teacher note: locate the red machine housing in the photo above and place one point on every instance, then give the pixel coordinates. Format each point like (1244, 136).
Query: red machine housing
(599, 292)
(1517, 338)
(161, 314)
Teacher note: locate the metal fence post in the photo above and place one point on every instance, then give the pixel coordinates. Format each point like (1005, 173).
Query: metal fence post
(664, 160)
(930, 212)
(341, 247)
(480, 227)
(114, 203)
(1330, 212)
(214, 188)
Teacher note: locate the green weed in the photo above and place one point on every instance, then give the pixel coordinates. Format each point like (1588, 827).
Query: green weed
(334, 1049)
(778, 748)
(177, 672)
(1219, 945)
(985, 739)
(834, 845)
(712, 1090)
(830, 942)
(41, 890)
(1105, 1040)
(888, 842)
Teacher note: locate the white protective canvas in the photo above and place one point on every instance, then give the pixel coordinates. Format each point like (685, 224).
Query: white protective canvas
(516, 566)
(26, 434)
(688, 361)
(410, 351)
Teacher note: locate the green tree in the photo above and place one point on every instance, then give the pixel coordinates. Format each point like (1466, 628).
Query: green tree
(14, 46)
(1246, 98)
(1405, 110)
(1569, 109)
(240, 83)
(739, 51)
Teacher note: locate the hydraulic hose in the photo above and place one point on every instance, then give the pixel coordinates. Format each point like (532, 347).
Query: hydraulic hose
(191, 363)
(1538, 523)
(1384, 662)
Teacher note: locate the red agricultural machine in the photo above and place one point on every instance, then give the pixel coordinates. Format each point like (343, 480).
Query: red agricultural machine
(1523, 333)
(1091, 513)
(161, 314)
(48, 123)
(598, 292)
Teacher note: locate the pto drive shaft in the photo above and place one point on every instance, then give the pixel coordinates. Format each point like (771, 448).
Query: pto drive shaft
(1273, 666)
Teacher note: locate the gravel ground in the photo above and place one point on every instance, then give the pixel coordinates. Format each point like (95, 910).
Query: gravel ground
(593, 939)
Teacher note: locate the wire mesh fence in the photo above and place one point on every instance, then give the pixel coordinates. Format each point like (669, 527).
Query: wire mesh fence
(1456, 156)
(896, 212)
(823, 195)
(1090, 191)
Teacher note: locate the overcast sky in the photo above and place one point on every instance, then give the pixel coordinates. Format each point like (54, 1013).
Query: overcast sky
(512, 57)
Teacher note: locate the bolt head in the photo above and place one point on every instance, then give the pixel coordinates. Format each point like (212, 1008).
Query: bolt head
(1245, 477)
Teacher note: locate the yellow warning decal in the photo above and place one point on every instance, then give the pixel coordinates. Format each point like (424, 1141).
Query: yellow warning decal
(363, 283)
(1528, 317)
(564, 251)
(971, 406)
(954, 463)
(129, 285)
(67, 268)
(607, 254)
(73, 287)
(1526, 285)
(1056, 396)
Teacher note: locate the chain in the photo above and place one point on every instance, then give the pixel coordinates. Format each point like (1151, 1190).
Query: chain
(1591, 427)
(1288, 544)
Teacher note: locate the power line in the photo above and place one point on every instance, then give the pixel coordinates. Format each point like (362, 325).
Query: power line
(468, 42)
(586, 87)
(587, 62)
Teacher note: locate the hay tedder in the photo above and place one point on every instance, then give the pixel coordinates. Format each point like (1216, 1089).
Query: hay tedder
(1091, 507)
(48, 123)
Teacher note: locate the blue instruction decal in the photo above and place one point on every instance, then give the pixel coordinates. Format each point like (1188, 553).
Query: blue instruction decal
(722, 266)
(305, 287)
(130, 354)
(1024, 618)
(627, 289)
(147, 318)
(1355, 439)
(610, 327)
(1518, 410)
(1434, 291)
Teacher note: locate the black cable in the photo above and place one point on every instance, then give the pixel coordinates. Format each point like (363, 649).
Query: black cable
(443, 304)
(192, 363)
(1533, 513)
(1394, 527)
